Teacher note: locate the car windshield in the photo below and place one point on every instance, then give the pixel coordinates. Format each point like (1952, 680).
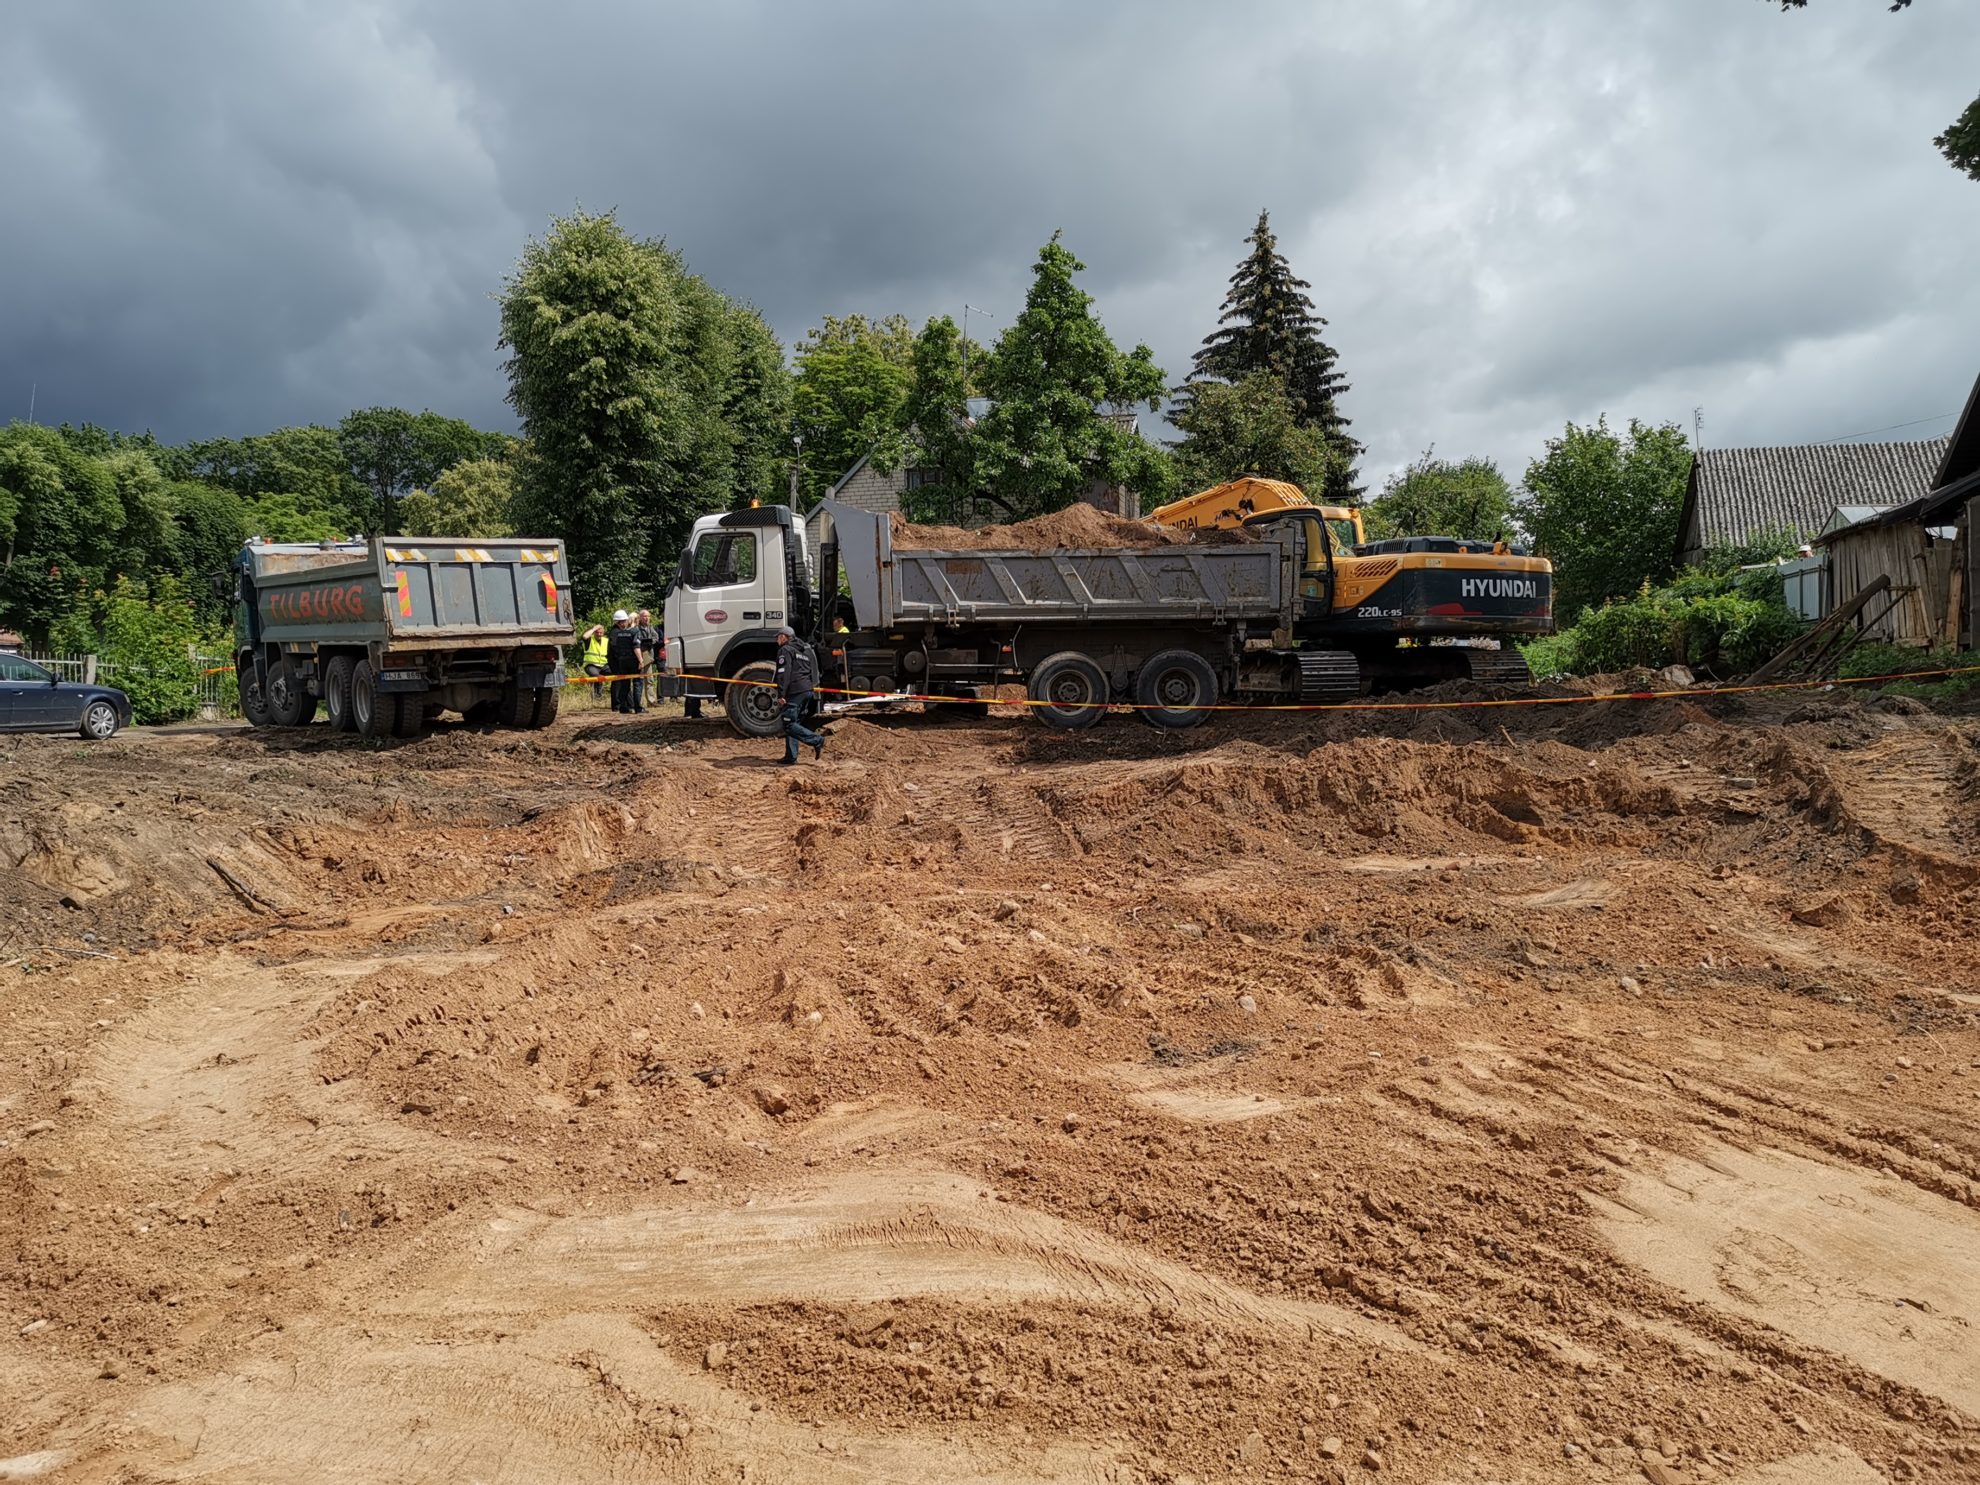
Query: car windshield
(14, 668)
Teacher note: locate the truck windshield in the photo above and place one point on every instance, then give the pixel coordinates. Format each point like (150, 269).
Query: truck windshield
(1344, 537)
(722, 558)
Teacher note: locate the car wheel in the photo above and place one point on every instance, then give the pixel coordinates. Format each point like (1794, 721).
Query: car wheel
(1069, 691)
(99, 721)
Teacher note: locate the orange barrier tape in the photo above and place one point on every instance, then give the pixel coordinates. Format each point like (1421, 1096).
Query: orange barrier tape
(1371, 706)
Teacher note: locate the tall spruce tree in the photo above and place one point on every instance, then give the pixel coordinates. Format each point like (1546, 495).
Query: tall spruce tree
(1268, 325)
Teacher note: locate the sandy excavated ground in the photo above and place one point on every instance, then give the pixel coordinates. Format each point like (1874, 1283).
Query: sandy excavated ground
(1557, 1093)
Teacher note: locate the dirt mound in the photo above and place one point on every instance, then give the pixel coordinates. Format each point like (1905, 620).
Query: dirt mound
(1582, 1088)
(1077, 526)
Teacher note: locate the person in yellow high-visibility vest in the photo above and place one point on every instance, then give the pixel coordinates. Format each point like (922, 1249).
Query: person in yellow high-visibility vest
(594, 653)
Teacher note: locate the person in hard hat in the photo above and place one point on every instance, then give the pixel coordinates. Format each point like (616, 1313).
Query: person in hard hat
(593, 661)
(797, 684)
(622, 657)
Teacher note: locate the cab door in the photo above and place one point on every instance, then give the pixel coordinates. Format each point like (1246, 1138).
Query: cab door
(724, 591)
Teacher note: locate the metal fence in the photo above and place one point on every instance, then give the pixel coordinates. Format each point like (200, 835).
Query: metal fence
(219, 697)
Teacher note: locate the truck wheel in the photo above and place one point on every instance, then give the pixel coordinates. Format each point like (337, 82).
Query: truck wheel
(337, 693)
(1176, 689)
(548, 698)
(408, 714)
(254, 705)
(372, 715)
(289, 701)
(1071, 691)
(517, 707)
(751, 701)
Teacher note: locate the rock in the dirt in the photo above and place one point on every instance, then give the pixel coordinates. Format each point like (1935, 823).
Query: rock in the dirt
(696, 1011)
(41, 1126)
(1006, 910)
(1248, 1005)
(1070, 1123)
(926, 1067)
(1252, 1450)
(35, 1327)
(1371, 1459)
(716, 1356)
(680, 1428)
(1330, 1447)
(1629, 986)
(682, 1175)
(1190, 930)
(771, 1099)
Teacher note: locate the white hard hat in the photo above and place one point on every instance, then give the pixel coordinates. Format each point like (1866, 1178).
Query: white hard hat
(619, 616)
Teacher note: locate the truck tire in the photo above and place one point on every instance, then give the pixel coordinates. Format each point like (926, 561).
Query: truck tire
(751, 703)
(1070, 690)
(254, 705)
(1176, 689)
(289, 701)
(548, 699)
(408, 713)
(337, 693)
(517, 708)
(372, 715)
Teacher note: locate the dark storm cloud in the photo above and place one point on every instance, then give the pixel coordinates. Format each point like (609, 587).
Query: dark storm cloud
(225, 217)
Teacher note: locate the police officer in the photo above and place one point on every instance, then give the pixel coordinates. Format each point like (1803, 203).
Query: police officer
(797, 682)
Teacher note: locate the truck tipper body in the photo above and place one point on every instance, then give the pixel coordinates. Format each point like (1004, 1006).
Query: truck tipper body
(388, 633)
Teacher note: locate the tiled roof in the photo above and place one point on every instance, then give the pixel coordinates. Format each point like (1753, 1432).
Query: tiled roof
(1737, 495)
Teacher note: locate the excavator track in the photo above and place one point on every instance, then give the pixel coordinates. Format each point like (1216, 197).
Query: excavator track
(1328, 675)
(1503, 666)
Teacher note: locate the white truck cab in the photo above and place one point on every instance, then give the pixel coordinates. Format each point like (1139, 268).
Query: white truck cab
(744, 574)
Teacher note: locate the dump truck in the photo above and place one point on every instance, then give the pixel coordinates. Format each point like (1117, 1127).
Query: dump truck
(1395, 599)
(387, 634)
(1175, 630)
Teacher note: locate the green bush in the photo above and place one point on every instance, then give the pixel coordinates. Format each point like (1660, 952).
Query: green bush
(1882, 659)
(144, 642)
(1717, 623)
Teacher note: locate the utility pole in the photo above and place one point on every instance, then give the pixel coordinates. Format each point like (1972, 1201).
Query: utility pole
(797, 464)
(1698, 428)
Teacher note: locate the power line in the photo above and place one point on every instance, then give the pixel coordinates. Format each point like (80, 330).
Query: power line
(1890, 428)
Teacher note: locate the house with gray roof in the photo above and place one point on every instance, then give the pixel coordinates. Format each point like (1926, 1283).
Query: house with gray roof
(1738, 496)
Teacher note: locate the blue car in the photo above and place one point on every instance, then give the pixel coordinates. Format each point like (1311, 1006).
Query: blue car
(32, 700)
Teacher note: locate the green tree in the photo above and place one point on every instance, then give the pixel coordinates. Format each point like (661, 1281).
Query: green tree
(1250, 427)
(853, 376)
(61, 514)
(757, 404)
(1059, 393)
(1267, 325)
(935, 418)
(306, 465)
(212, 524)
(1605, 509)
(588, 318)
(472, 499)
(144, 637)
(1468, 499)
(391, 452)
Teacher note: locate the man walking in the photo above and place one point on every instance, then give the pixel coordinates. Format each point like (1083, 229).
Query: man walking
(797, 680)
(622, 654)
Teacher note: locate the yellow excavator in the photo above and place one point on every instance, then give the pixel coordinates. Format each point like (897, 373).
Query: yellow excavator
(1414, 610)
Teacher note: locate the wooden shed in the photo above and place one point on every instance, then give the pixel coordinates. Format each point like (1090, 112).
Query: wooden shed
(1926, 547)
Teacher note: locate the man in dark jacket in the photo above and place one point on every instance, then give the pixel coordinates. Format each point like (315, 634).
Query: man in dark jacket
(622, 661)
(797, 681)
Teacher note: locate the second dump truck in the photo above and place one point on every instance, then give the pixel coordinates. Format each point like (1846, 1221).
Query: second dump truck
(1174, 629)
(387, 634)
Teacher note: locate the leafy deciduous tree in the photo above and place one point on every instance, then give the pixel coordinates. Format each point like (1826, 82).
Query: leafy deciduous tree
(1250, 427)
(1058, 387)
(936, 418)
(1605, 509)
(587, 319)
(1468, 499)
(472, 499)
(853, 376)
(391, 452)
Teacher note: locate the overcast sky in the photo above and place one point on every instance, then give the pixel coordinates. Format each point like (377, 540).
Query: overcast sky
(220, 218)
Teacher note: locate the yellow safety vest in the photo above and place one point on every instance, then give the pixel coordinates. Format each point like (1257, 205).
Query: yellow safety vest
(594, 650)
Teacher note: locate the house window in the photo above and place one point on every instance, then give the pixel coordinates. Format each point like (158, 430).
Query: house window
(921, 479)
